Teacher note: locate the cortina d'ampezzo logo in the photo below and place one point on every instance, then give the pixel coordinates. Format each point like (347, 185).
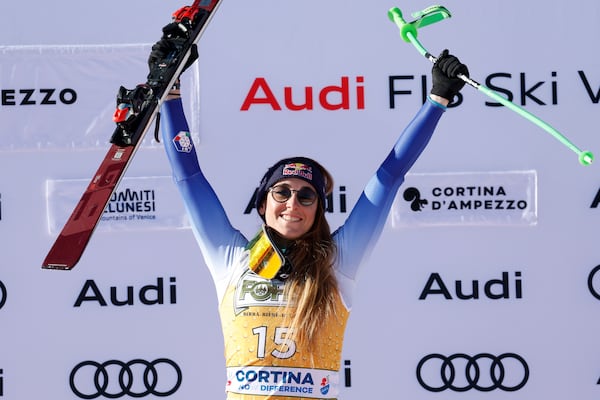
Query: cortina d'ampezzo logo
(41, 96)
(413, 196)
(467, 198)
(183, 142)
(464, 198)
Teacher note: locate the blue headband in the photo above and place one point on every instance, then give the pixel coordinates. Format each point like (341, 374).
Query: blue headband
(295, 167)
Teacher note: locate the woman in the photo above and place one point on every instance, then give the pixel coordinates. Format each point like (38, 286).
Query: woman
(283, 331)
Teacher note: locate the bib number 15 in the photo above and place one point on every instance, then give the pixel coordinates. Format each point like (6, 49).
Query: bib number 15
(285, 347)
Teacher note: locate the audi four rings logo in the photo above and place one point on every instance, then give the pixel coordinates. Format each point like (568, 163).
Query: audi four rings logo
(2, 294)
(461, 372)
(593, 282)
(114, 379)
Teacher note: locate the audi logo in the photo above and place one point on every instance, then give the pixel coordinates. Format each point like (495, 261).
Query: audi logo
(2, 294)
(591, 279)
(508, 372)
(113, 379)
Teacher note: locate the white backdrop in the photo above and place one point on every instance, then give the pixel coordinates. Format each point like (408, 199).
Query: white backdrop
(532, 268)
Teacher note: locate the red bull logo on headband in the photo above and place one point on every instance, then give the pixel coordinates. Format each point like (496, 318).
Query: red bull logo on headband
(298, 169)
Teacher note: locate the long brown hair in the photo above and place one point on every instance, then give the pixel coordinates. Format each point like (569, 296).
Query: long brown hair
(311, 288)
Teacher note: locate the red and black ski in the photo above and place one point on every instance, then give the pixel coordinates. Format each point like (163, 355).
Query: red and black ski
(136, 109)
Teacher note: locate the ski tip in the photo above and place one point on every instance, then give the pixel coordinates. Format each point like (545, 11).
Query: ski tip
(61, 267)
(67, 249)
(58, 259)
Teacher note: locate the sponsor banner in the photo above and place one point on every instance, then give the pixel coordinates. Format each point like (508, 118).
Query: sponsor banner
(593, 284)
(139, 203)
(281, 381)
(3, 294)
(136, 378)
(255, 291)
(467, 198)
(483, 372)
(64, 97)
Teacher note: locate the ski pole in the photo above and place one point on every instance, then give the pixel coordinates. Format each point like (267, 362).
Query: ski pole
(408, 32)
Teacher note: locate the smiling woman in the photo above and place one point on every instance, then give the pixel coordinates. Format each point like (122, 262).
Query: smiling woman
(294, 184)
(291, 212)
(285, 296)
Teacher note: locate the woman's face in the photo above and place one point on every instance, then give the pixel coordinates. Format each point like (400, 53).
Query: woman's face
(289, 218)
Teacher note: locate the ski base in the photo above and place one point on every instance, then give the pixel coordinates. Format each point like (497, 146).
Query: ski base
(74, 237)
(133, 121)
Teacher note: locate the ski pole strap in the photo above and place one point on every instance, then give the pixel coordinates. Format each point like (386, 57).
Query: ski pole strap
(409, 33)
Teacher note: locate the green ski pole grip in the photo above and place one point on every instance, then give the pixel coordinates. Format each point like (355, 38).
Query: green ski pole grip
(395, 15)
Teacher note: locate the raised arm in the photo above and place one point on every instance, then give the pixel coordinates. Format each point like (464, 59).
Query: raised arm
(360, 232)
(213, 230)
(362, 228)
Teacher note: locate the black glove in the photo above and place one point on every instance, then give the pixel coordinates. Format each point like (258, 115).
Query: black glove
(163, 47)
(160, 50)
(173, 38)
(445, 72)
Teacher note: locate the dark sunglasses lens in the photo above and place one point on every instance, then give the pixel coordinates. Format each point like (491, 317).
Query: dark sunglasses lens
(282, 194)
(306, 196)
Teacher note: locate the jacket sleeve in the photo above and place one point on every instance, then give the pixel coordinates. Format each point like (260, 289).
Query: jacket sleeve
(213, 231)
(363, 227)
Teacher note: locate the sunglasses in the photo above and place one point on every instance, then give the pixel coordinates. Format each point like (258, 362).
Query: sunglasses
(306, 196)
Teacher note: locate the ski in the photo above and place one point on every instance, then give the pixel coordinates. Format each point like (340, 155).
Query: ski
(136, 110)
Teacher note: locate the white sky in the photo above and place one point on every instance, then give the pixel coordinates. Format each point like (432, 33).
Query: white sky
(83, 22)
